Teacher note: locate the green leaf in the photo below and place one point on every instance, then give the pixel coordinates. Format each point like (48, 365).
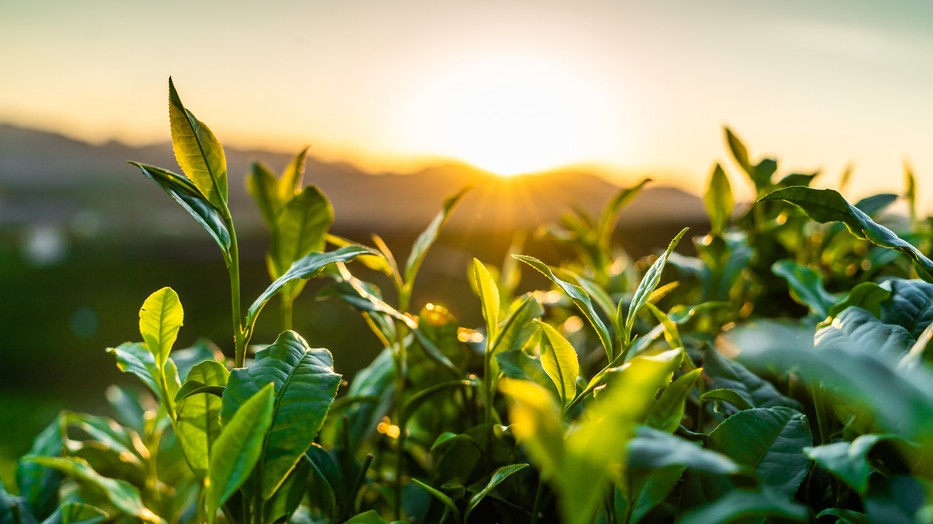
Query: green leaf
(368, 517)
(293, 177)
(262, 185)
(910, 305)
(123, 495)
(739, 153)
(159, 321)
(428, 236)
(726, 395)
(301, 227)
(610, 213)
(648, 488)
(844, 516)
(729, 374)
(770, 440)
(669, 409)
(307, 267)
(498, 476)
(198, 151)
(238, 449)
(806, 286)
(135, 358)
(288, 497)
(198, 416)
(305, 386)
(78, 513)
(743, 504)
(858, 330)
(537, 423)
(560, 362)
(517, 364)
(653, 449)
(184, 192)
(518, 325)
(441, 496)
(647, 286)
(718, 201)
(875, 204)
(910, 192)
(579, 297)
(39, 485)
(849, 460)
(866, 295)
(489, 298)
(826, 205)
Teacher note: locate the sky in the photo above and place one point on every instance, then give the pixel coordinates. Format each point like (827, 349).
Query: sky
(630, 88)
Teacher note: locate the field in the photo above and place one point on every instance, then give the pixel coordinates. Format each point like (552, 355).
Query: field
(773, 367)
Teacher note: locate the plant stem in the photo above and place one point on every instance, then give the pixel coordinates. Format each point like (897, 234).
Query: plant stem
(539, 494)
(287, 309)
(233, 268)
(400, 358)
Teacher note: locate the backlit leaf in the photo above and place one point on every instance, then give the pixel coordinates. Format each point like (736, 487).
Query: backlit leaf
(428, 236)
(560, 362)
(718, 200)
(262, 185)
(669, 409)
(292, 177)
(198, 151)
(159, 321)
(579, 297)
(826, 205)
(301, 227)
(489, 298)
(198, 416)
(238, 448)
(188, 197)
(647, 286)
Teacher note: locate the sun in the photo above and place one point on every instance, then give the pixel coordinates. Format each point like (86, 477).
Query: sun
(512, 115)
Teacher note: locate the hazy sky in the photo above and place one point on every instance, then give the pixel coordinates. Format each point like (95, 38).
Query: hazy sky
(639, 87)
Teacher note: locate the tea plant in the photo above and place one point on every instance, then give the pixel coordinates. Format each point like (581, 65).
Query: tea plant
(781, 373)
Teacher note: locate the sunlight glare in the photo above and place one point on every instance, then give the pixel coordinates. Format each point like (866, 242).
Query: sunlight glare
(513, 115)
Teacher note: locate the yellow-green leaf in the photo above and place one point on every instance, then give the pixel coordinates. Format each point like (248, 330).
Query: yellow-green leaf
(489, 296)
(560, 362)
(159, 321)
(718, 200)
(197, 151)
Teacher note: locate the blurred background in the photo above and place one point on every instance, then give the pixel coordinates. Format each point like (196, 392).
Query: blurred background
(538, 105)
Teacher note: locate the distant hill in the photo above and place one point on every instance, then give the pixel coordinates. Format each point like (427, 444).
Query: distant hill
(51, 179)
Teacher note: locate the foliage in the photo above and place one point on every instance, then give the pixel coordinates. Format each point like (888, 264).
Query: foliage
(781, 372)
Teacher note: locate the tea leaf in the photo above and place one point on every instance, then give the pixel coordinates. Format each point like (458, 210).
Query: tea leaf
(78, 513)
(238, 449)
(517, 364)
(826, 205)
(262, 185)
(288, 497)
(770, 440)
(537, 423)
(160, 318)
(647, 286)
(910, 305)
(123, 495)
(498, 476)
(188, 197)
(293, 177)
(301, 227)
(669, 409)
(39, 485)
(428, 236)
(866, 295)
(858, 330)
(305, 386)
(198, 151)
(726, 395)
(729, 374)
(560, 362)
(198, 421)
(653, 449)
(579, 297)
(441, 496)
(609, 215)
(518, 327)
(489, 297)
(135, 358)
(718, 200)
(806, 286)
(307, 267)
(744, 504)
(849, 460)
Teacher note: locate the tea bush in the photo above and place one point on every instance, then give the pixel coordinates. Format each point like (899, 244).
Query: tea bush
(781, 373)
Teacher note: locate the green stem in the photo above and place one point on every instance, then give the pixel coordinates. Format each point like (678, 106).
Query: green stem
(400, 358)
(819, 407)
(233, 268)
(539, 495)
(287, 310)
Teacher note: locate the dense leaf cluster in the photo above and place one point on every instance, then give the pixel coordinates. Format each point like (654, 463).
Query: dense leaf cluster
(781, 373)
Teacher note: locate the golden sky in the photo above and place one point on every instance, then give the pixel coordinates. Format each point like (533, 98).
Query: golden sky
(635, 87)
